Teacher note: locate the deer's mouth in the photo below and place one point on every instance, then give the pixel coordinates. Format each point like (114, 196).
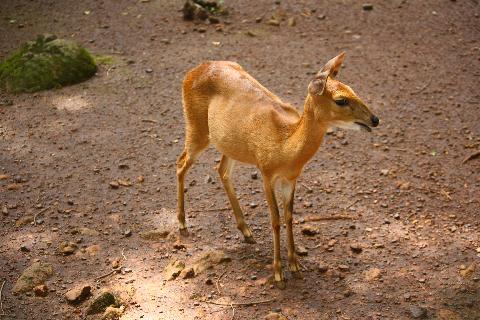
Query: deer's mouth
(364, 126)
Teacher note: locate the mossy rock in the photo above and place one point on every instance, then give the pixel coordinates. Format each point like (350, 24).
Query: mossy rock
(44, 64)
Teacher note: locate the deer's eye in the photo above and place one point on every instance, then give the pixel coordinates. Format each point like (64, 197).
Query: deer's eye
(341, 102)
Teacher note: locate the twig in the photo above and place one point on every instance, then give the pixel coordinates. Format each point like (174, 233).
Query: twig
(233, 311)
(149, 120)
(239, 304)
(105, 275)
(1, 303)
(39, 213)
(218, 279)
(424, 87)
(210, 209)
(124, 258)
(306, 187)
(474, 155)
(310, 219)
(351, 204)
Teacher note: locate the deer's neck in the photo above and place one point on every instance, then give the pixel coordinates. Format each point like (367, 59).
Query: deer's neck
(308, 134)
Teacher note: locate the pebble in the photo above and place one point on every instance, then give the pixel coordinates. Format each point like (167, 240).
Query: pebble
(356, 248)
(322, 268)
(367, 6)
(343, 267)
(309, 230)
(302, 251)
(148, 70)
(254, 175)
(418, 312)
(127, 233)
(253, 205)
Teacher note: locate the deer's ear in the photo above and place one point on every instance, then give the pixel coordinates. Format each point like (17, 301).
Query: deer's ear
(317, 85)
(332, 66)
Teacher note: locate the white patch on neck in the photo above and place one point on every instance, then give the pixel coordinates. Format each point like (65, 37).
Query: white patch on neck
(346, 125)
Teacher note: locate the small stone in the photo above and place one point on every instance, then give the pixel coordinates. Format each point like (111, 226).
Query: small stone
(292, 22)
(372, 274)
(208, 179)
(273, 22)
(5, 211)
(187, 273)
(34, 275)
(78, 294)
(127, 233)
(209, 259)
(254, 175)
(173, 269)
(67, 248)
(302, 251)
(40, 290)
(114, 185)
(253, 277)
(418, 312)
(70, 202)
(321, 17)
(27, 219)
(24, 248)
(356, 248)
(343, 267)
(179, 246)
(253, 205)
(322, 268)
(396, 216)
(367, 6)
(208, 281)
(309, 230)
(149, 70)
(468, 272)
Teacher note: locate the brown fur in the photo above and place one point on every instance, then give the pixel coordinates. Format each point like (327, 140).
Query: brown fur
(227, 107)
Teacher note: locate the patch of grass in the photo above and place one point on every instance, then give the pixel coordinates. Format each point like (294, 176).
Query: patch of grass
(44, 64)
(105, 60)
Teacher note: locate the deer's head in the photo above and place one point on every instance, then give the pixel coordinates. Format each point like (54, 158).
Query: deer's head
(336, 102)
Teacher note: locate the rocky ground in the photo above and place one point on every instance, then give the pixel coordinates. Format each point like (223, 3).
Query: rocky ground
(387, 223)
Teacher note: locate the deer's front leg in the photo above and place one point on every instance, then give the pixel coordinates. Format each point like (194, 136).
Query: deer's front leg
(275, 220)
(288, 191)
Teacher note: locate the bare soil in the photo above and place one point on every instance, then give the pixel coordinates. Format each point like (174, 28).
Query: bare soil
(410, 202)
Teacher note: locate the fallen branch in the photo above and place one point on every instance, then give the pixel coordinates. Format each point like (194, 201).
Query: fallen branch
(39, 213)
(218, 279)
(471, 157)
(238, 304)
(105, 275)
(1, 303)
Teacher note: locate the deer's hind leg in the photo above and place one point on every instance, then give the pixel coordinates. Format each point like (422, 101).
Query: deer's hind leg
(225, 169)
(194, 145)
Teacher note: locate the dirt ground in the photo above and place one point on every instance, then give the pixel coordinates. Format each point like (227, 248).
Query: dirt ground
(408, 199)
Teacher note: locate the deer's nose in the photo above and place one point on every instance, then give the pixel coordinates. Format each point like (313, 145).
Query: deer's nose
(375, 121)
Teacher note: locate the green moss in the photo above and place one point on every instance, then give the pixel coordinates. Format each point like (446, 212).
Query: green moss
(105, 60)
(45, 64)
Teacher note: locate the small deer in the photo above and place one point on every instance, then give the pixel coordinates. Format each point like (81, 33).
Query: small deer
(226, 106)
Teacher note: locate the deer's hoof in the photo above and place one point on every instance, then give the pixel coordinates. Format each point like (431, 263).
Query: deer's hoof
(250, 240)
(183, 232)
